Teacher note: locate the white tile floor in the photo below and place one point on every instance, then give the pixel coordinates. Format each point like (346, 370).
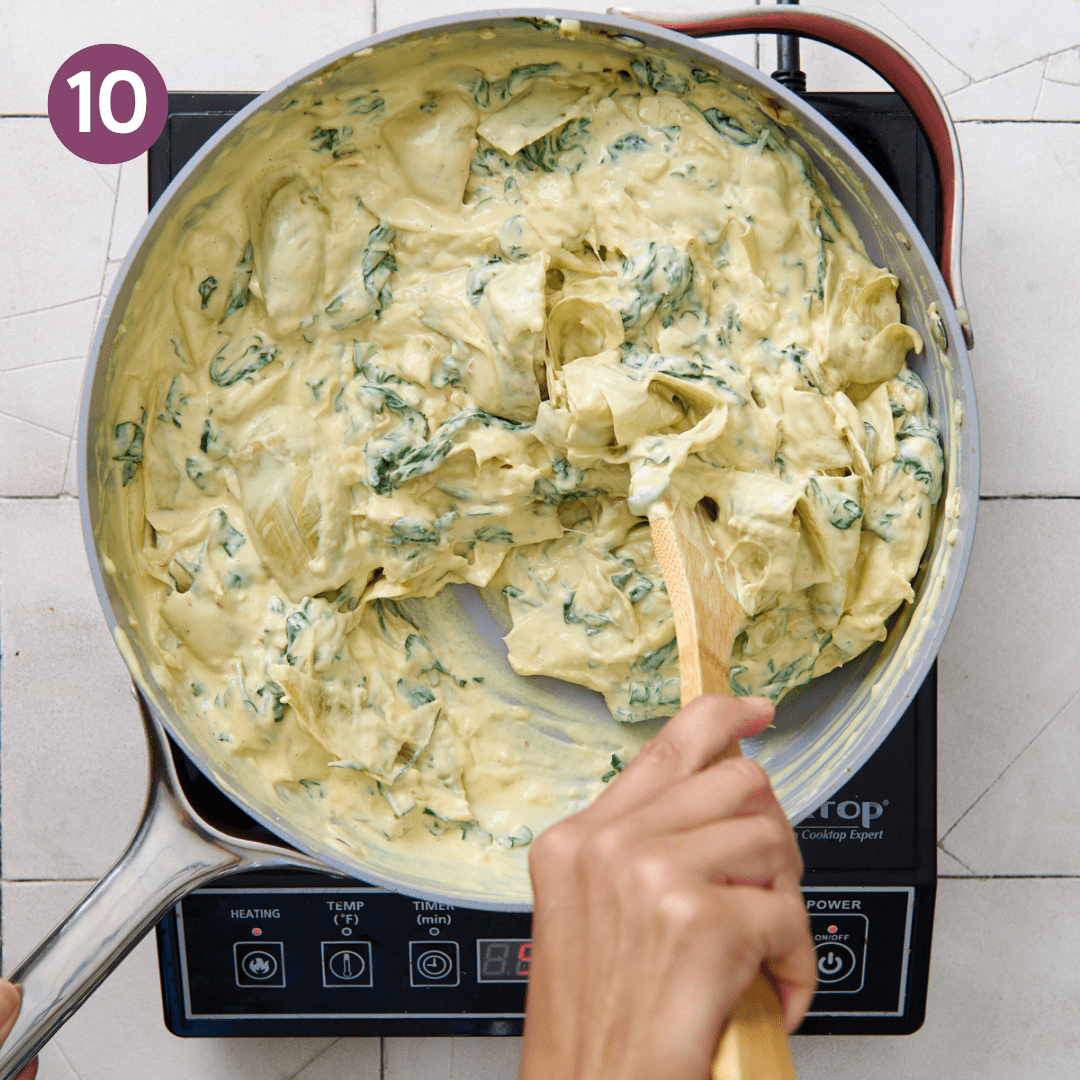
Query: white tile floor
(1004, 989)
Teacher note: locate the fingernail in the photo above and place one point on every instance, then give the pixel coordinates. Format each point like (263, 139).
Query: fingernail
(9, 1001)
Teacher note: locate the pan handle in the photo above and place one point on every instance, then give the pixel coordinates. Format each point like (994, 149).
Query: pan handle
(894, 64)
(172, 853)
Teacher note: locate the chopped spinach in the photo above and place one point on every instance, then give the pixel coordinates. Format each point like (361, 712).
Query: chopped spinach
(128, 448)
(485, 93)
(173, 400)
(565, 485)
(841, 510)
(641, 364)
(400, 456)
(206, 289)
(413, 531)
(327, 138)
(654, 661)
(232, 540)
(417, 647)
(294, 627)
(480, 275)
(729, 127)
(631, 142)
(617, 766)
(240, 290)
(210, 442)
(366, 103)
(255, 356)
(592, 621)
(655, 278)
(376, 267)
(653, 73)
(276, 695)
(492, 534)
(416, 694)
(565, 148)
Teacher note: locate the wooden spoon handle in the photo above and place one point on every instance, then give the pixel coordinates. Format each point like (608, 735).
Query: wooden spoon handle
(754, 1044)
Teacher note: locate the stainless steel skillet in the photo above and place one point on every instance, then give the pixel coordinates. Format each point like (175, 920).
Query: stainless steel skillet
(824, 733)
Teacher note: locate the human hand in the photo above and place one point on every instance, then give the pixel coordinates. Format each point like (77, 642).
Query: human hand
(657, 905)
(10, 1003)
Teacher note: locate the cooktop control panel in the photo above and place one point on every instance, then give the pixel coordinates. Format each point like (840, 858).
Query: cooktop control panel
(311, 954)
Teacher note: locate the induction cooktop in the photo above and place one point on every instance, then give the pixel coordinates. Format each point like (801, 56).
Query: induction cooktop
(293, 953)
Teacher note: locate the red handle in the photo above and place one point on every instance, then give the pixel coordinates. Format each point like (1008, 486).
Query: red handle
(901, 71)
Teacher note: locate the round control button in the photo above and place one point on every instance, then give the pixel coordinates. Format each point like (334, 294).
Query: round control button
(434, 964)
(835, 961)
(260, 965)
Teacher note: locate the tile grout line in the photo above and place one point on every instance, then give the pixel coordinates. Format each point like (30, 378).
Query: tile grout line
(1008, 877)
(952, 856)
(40, 427)
(1000, 74)
(41, 364)
(311, 1061)
(1042, 90)
(67, 1060)
(1033, 120)
(97, 310)
(1018, 755)
(114, 190)
(928, 44)
(50, 307)
(49, 881)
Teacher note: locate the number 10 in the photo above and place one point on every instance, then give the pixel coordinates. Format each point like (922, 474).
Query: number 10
(82, 82)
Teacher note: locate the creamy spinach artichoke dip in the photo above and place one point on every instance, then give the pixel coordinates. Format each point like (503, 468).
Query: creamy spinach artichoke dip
(465, 324)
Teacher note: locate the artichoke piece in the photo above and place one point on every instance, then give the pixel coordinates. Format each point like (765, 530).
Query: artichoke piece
(434, 146)
(297, 505)
(579, 327)
(384, 743)
(535, 112)
(289, 254)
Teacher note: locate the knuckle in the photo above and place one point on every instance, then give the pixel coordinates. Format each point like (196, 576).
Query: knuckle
(793, 909)
(649, 873)
(556, 848)
(685, 909)
(772, 837)
(750, 774)
(662, 751)
(605, 848)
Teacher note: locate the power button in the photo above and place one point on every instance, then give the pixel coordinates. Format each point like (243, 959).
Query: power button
(840, 948)
(835, 961)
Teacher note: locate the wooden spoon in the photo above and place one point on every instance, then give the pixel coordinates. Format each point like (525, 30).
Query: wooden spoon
(754, 1044)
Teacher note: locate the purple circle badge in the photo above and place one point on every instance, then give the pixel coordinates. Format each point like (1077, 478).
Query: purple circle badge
(108, 104)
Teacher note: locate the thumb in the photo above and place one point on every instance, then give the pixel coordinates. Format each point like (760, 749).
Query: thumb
(10, 1001)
